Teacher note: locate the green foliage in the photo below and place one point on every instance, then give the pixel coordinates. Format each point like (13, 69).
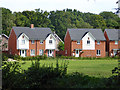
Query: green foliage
(18, 57)
(61, 46)
(116, 73)
(86, 58)
(11, 74)
(58, 21)
(36, 76)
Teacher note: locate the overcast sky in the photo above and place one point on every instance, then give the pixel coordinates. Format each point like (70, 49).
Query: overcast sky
(93, 6)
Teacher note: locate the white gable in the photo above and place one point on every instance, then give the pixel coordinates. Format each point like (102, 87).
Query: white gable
(49, 45)
(90, 46)
(21, 38)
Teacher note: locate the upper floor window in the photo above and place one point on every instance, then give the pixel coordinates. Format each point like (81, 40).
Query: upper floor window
(32, 41)
(116, 42)
(50, 41)
(78, 42)
(98, 42)
(23, 41)
(41, 41)
(88, 41)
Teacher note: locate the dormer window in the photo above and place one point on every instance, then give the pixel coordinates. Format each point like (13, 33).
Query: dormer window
(78, 42)
(41, 41)
(98, 42)
(116, 42)
(23, 41)
(32, 41)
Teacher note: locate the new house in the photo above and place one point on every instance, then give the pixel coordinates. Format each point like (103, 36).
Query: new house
(112, 41)
(85, 43)
(32, 41)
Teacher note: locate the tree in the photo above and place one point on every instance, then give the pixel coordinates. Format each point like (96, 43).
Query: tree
(97, 21)
(61, 46)
(7, 21)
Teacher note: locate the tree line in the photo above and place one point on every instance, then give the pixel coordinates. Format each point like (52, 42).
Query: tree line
(58, 20)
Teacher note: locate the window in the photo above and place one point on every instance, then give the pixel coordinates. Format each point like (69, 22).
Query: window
(50, 41)
(65, 51)
(98, 52)
(116, 42)
(40, 52)
(41, 41)
(88, 41)
(98, 42)
(23, 41)
(32, 52)
(32, 41)
(78, 42)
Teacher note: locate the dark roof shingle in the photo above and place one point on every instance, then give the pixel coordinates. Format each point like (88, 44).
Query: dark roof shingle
(113, 34)
(77, 34)
(33, 34)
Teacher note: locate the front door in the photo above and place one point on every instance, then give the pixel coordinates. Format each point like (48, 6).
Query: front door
(114, 52)
(50, 53)
(23, 53)
(77, 53)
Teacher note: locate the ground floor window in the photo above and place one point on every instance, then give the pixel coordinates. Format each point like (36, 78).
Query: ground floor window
(98, 52)
(32, 52)
(41, 52)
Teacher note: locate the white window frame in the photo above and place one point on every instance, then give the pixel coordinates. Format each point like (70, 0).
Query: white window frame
(98, 53)
(65, 51)
(32, 54)
(32, 41)
(78, 42)
(98, 42)
(22, 42)
(41, 41)
(41, 53)
(116, 42)
(50, 40)
(87, 42)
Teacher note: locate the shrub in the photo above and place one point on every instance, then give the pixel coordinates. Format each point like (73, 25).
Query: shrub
(11, 74)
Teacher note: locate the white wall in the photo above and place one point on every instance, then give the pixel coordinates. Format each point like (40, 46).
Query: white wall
(91, 46)
(48, 45)
(19, 42)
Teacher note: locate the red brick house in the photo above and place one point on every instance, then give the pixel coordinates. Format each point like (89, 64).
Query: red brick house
(112, 41)
(32, 41)
(85, 43)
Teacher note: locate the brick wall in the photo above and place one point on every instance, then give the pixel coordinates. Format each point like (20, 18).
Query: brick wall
(112, 45)
(89, 53)
(68, 44)
(101, 47)
(74, 46)
(12, 43)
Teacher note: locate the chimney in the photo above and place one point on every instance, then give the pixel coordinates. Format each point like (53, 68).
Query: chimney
(32, 26)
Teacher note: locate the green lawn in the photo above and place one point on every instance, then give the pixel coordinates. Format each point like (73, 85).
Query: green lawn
(97, 68)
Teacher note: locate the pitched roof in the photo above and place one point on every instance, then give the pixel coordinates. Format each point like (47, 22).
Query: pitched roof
(33, 33)
(113, 34)
(5, 36)
(77, 34)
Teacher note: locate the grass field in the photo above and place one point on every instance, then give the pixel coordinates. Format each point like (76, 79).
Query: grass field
(97, 68)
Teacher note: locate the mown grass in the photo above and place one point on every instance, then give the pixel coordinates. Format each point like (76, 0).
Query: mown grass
(97, 68)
